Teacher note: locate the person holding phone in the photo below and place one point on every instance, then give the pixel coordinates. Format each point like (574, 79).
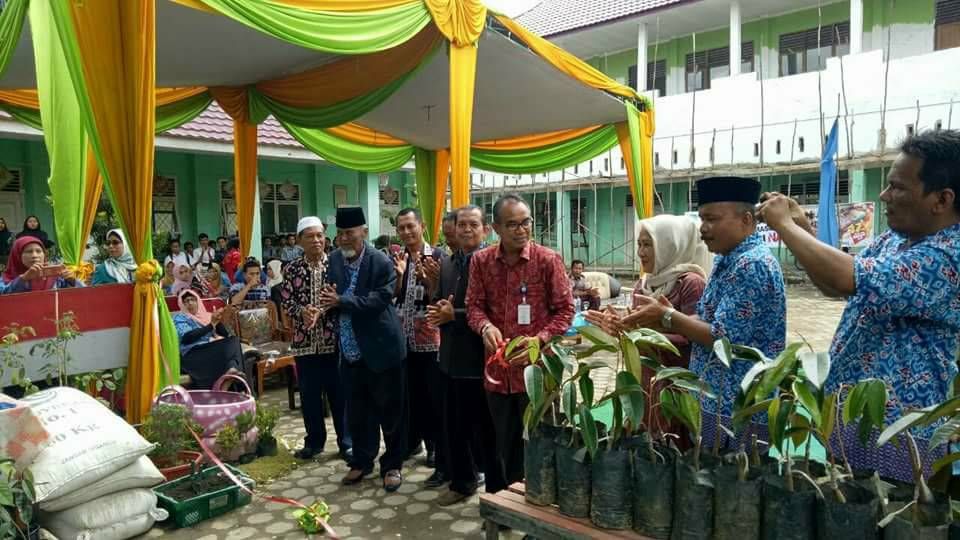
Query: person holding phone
(27, 269)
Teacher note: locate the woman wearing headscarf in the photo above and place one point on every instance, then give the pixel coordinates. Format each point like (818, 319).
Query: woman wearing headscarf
(6, 238)
(169, 278)
(119, 265)
(182, 279)
(206, 349)
(31, 227)
(27, 269)
(217, 284)
(675, 263)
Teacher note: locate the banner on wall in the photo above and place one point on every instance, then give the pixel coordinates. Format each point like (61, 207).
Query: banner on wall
(856, 225)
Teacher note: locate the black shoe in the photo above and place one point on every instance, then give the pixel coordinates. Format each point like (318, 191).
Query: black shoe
(346, 454)
(306, 453)
(436, 480)
(431, 458)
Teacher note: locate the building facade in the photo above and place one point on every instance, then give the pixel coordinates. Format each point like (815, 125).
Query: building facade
(881, 70)
(193, 188)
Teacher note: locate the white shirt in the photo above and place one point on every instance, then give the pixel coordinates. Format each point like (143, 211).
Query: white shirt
(204, 257)
(180, 259)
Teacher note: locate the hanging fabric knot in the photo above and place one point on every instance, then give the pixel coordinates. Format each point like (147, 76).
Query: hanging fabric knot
(82, 271)
(147, 272)
(460, 21)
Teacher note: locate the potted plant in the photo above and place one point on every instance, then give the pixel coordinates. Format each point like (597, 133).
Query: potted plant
(266, 421)
(167, 427)
(542, 379)
(228, 443)
(12, 361)
(17, 503)
(248, 435)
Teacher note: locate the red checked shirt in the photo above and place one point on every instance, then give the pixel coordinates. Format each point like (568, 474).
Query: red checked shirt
(495, 291)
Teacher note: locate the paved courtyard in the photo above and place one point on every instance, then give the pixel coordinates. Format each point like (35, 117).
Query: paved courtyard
(367, 511)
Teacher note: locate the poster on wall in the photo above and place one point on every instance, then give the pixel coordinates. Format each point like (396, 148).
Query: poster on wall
(856, 225)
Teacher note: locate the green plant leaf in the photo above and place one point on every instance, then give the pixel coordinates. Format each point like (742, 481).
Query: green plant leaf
(806, 398)
(631, 402)
(597, 336)
(511, 346)
(651, 340)
(569, 400)
(943, 433)
(940, 410)
(690, 406)
(750, 377)
(853, 406)
(594, 350)
(799, 430)
(697, 386)
(945, 460)
(875, 402)
(586, 390)
(631, 357)
(6, 493)
(905, 422)
(816, 367)
(533, 350)
(722, 349)
(616, 422)
(554, 367)
(828, 417)
(786, 363)
(742, 416)
(533, 380)
(748, 354)
(588, 429)
(674, 373)
(774, 428)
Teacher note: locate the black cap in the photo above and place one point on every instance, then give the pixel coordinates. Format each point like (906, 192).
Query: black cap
(728, 189)
(349, 217)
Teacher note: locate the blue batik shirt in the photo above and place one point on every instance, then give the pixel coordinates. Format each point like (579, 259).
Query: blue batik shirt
(745, 302)
(902, 322)
(348, 340)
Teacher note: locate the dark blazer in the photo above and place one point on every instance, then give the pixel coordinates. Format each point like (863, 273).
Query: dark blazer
(375, 320)
(461, 349)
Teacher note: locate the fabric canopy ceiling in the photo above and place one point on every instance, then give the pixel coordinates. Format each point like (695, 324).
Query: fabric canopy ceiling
(517, 93)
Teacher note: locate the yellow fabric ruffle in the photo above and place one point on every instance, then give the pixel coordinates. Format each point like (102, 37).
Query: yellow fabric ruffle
(460, 21)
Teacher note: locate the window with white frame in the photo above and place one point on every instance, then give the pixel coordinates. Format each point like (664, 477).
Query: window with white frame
(228, 208)
(165, 205)
(279, 207)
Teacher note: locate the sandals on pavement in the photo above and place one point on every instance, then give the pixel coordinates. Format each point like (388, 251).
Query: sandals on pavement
(392, 481)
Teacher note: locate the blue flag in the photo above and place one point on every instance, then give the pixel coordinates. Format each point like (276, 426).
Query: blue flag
(828, 226)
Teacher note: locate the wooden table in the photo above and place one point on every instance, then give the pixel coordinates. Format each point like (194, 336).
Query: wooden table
(265, 368)
(508, 507)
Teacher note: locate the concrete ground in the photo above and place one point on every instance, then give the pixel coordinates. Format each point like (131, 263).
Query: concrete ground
(366, 511)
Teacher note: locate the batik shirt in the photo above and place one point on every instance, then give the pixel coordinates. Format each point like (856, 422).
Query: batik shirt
(745, 302)
(300, 288)
(902, 322)
(421, 335)
(349, 347)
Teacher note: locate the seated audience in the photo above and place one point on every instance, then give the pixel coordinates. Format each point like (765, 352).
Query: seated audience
(582, 292)
(218, 285)
(207, 351)
(119, 265)
(27, 269)
(252, 289)
(232, 258)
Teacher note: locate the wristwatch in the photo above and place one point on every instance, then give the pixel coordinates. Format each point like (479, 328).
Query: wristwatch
(666, 320)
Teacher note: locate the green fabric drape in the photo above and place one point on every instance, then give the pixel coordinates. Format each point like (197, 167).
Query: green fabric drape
(30, 117)
(426, 161)
(340, 32)
(350, 155)
(11, 23)
(66, 145)
(169, 341)
(180, 112)
(262, 106)
(548, 158)
(633, 126)
(169, 116)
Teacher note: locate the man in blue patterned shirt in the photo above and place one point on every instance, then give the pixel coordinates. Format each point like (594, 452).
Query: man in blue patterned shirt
(903, 313)
(744, 300)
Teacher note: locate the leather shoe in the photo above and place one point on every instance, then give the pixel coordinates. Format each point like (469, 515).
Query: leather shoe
(355, 476)
(306, 453)
(431, 458)
(436, 480)
(392, 481)
(451, 497)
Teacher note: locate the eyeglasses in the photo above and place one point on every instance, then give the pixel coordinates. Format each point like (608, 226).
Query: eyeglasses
(114, 243)
(513, 226)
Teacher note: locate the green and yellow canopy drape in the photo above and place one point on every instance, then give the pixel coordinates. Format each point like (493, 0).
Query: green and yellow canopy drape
(98, 59)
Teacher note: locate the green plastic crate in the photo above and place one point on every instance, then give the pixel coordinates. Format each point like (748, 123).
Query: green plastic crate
(196, 509)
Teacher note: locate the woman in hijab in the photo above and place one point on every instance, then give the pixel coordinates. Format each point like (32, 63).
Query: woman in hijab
(5, 238)
(119, 265)
(169, 278)
(217, 285)
(31, 227)
(206, 349)
(675, 263)
(183, 279)
(27, 269)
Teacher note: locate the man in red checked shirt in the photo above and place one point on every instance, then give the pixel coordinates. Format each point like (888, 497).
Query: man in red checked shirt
(517, 288)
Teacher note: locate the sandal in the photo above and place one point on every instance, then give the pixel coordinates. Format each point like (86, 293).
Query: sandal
(392, 481)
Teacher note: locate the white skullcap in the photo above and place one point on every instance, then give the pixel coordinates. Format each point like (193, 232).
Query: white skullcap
(309, 221)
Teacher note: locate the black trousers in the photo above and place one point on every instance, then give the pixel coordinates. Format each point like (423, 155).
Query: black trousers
(506, 411)
(424, 400)
(318, 374)
(377, 403)
(470, 442)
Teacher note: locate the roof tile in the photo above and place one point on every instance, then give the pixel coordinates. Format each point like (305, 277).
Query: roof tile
(552, 17)
(215, 125)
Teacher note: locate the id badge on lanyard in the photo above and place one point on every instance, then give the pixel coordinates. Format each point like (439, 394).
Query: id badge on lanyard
(523, 310)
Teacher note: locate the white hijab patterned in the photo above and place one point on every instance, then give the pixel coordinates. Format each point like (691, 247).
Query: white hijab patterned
(677, 249)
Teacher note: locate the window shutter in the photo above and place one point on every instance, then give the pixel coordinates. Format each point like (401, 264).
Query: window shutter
(948, 11)
(746, 52)
(632, 76)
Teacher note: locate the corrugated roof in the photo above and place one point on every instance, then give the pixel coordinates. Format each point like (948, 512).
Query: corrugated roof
(215, 125)
(552, 17)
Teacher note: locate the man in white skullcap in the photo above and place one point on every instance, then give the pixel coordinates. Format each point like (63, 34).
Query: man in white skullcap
(314, 341)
